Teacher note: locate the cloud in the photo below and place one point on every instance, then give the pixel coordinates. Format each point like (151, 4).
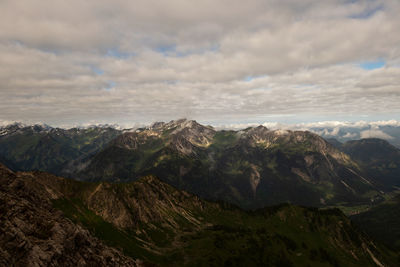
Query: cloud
(135, 61)
(375, 134)
(331, 128)
(350, 135)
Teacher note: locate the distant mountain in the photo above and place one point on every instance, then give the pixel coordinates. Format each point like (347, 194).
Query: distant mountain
(361, 130)
(154, 222)
(379, 158)
(251, 168)
(334, 142)
(40, 147)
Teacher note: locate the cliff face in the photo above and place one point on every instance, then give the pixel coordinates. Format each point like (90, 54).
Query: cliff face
(33, 233)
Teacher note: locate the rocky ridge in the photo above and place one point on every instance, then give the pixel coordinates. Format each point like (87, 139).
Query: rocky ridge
(153, 221)
(33, 233)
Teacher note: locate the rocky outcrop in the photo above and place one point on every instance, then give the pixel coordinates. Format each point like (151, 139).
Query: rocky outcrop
(33, 233)
(146, 201)
(164, 226)
(261, 136)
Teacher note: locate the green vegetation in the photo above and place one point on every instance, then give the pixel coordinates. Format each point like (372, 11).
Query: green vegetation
(121, 239)
(382, 222)
(181, 230)
(224, 139)
(52, 150)
(248, 168)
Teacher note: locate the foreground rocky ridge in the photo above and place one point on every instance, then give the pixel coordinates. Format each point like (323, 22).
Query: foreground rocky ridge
(33, 233)
(153, 221)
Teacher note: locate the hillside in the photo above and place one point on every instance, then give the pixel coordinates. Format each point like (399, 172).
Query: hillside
(250, 168)
(33, 233)
(382, 222)
(55, 150)
(378, 158)
(158, 224)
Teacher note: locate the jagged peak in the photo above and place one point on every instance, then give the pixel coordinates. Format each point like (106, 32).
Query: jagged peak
(18, 126)
(259, 128)
(255, 131)
(178, 125)
(182, 123)
(157, 125)
(13, 124)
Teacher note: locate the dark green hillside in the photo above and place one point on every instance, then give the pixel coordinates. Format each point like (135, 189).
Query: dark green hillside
(382, 222)
(48, 149)
(378, 158)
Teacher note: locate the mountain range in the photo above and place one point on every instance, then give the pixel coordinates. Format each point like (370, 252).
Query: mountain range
(56, 150)
(389, 131)
(251, 168)
(182, 193)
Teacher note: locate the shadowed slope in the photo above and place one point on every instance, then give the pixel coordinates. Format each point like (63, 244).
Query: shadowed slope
(33, 233)
(153, 221)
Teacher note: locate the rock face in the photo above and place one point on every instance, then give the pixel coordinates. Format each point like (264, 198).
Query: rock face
(250, 168)
(182, 135)
(147, 201)
(33, 233)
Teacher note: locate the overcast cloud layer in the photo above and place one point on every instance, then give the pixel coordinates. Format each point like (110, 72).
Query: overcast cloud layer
(220, 62)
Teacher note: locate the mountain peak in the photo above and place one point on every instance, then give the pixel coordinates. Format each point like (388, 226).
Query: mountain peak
(183, 123)
(17, 127)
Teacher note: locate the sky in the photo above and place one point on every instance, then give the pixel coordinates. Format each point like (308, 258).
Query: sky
(216, 61)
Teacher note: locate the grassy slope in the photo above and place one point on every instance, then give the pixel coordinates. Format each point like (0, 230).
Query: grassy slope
(224, 235)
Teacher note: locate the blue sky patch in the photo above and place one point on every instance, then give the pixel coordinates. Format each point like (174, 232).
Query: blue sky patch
(110, 85)
(371, 65)
(250, 77)
(97, 70)
(367, 13)
(166, 49)
(117, 54)
(171, 50)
